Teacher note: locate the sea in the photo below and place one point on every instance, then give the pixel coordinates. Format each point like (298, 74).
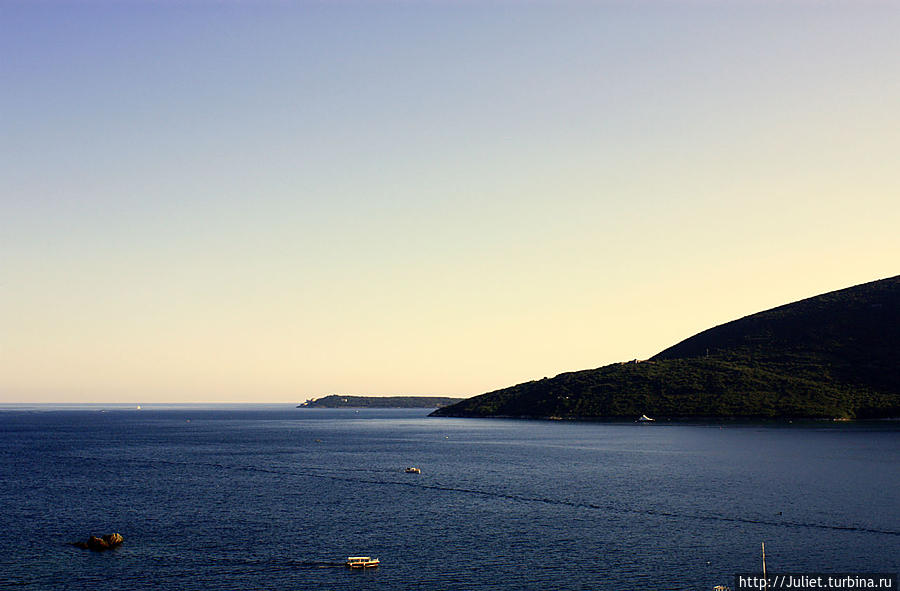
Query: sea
(276, 497)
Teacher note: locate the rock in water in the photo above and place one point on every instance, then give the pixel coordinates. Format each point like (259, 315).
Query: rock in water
(99, 544)
(95, 543)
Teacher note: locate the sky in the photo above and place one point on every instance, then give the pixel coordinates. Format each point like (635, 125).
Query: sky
(224, 201)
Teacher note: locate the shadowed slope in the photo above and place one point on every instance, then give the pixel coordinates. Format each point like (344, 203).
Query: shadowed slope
(833, 355)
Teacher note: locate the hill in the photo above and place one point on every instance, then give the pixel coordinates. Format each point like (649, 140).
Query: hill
(337, 401)
(829, 356)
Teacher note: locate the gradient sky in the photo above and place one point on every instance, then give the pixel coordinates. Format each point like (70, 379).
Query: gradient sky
(227, 201)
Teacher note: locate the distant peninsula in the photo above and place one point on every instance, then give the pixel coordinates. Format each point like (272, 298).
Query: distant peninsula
(338, 401)
(834, 356)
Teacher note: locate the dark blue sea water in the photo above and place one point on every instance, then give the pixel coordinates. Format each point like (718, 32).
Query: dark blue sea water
(272, 497)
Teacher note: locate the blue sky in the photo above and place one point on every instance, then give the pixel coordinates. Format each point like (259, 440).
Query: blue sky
(223, 201)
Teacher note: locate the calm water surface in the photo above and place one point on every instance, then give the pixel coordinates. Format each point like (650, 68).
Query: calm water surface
(272, 497)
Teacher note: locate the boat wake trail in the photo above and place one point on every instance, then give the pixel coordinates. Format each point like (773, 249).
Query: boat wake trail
(328, 474)
(270, 562)
(617, 508)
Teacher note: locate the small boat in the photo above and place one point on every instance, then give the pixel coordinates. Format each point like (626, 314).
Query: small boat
(412, 470)
(361, 562)
(644, 419)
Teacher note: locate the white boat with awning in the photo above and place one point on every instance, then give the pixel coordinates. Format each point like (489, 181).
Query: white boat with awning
(361, 562)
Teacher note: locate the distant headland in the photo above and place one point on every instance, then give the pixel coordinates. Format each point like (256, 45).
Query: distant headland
(833, 356)
(338, 401)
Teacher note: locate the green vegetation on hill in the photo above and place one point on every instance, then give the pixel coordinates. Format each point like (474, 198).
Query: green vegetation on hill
(833, 355)
(337, 401)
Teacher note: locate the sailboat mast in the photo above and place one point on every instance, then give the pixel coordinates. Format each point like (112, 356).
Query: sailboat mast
(765, 581)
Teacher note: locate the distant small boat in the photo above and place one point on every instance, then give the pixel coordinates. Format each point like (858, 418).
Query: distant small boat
(412, 470)
(139, 407)
(361, 562)
(644, 419)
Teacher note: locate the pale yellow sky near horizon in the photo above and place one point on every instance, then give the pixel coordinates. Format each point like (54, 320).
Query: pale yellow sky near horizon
(225, 203)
